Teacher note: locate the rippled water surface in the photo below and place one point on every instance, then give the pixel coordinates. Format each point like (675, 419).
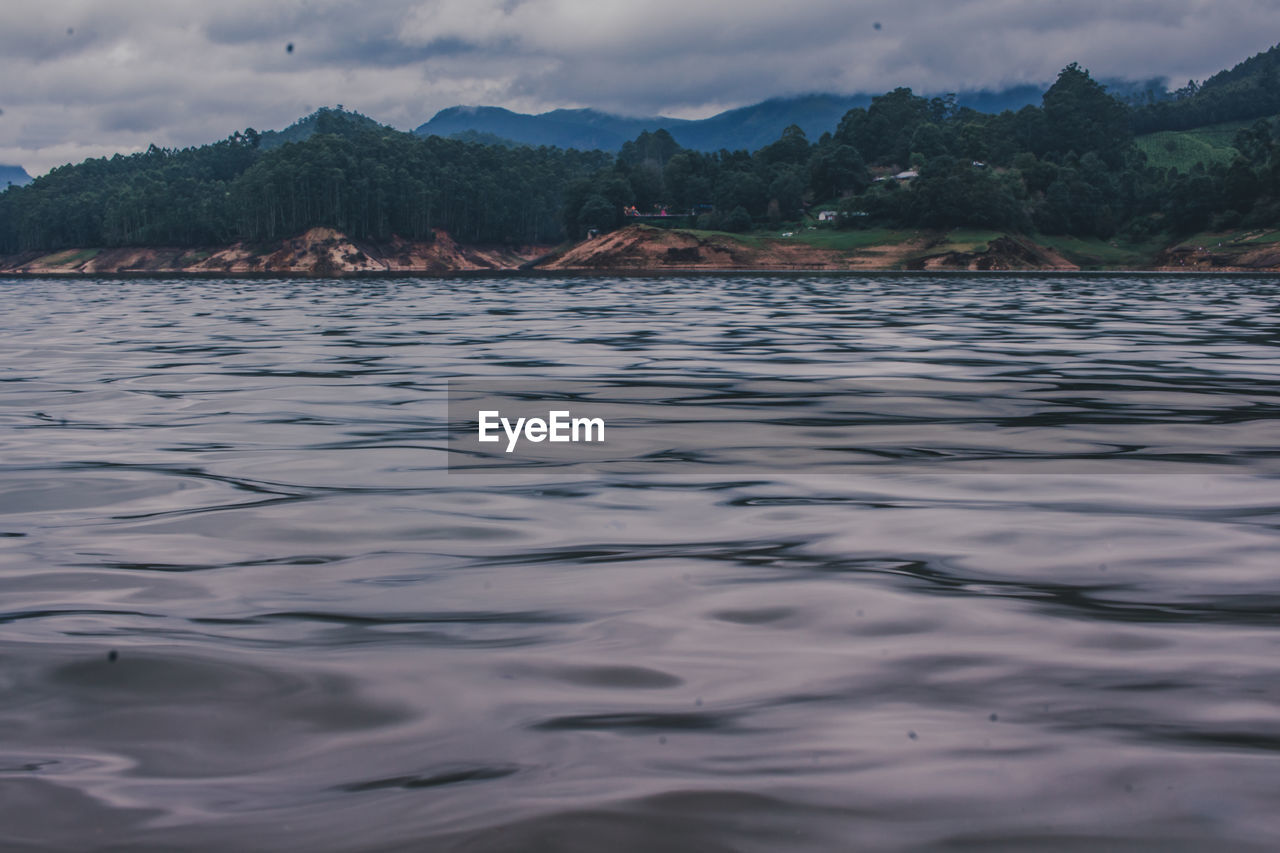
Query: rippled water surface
(245, 604)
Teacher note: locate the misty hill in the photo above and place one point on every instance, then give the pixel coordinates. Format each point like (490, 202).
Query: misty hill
(748, 128)
(324, 120)
(581, 129)
(1247, 92)
(1066, 167)
(13, 175)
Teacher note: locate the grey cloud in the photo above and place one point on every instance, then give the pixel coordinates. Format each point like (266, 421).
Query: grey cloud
(258, 22)
(326, 34)
(185, 72)
(135, 117)
(48, 43)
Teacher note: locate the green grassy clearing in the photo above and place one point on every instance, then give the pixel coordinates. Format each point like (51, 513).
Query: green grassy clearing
(970, 239)
(1096, 253)
(1250, 238)
(851, 240)
(756, 240)
(1182, 149)
(68, 257)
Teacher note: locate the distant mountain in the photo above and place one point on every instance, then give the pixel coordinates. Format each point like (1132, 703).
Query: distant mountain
(478, 138)
(744, 128)
(581, 129)
(324, 120)
(758, 125)
(13, 175)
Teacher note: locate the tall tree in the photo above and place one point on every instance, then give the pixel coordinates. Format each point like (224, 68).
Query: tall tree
(1080, 116)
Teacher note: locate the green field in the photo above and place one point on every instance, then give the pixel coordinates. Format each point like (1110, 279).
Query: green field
(1094, 253)
(969, 239)
(756, 241)
(1237, 238)
(851, 240)
(1182, 149)
(956, 240)
(1090, 253)
(69, 257)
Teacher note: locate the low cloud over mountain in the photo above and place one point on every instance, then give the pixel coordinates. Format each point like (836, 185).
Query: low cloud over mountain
(87, 78)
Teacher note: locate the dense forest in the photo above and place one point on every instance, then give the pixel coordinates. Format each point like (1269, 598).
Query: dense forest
(349, 173)
(1251, 90)
(1068, 166)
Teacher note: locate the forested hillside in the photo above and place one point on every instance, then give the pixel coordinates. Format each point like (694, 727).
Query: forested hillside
(366, 180)
(1249, 91)
(1066, 167)
(750, 127)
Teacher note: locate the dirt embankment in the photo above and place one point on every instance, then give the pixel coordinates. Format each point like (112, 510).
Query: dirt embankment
(636, 248)
(1221, 258)
(320, 251)
(642, 248)
(1003, 253)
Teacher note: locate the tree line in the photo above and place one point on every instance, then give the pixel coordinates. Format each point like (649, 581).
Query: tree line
(1068, 166)
(1247, 92)
(369, 181)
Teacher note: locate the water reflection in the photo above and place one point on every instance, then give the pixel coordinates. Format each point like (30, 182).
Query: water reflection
(325, 640)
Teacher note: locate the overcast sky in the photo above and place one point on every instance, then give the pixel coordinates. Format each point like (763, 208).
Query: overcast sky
(81, 78)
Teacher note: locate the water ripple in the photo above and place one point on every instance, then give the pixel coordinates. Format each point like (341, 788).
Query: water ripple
(248, 604)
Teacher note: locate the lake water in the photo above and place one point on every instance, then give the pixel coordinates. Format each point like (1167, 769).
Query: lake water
(249, 599)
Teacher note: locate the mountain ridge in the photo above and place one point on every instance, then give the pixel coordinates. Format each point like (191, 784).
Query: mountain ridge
(13, 176)
(743, 128)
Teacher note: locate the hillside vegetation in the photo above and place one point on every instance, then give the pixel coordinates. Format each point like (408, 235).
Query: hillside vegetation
(1183, 149)
(1247, 92)
(1069, 168)
(346, 172)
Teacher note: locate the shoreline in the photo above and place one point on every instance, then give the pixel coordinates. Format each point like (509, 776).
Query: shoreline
(569, 275)
(638, 250)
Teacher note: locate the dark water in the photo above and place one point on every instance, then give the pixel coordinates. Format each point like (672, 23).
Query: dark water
(324, 640)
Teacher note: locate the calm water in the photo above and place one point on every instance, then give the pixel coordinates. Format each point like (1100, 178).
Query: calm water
(325, 640)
